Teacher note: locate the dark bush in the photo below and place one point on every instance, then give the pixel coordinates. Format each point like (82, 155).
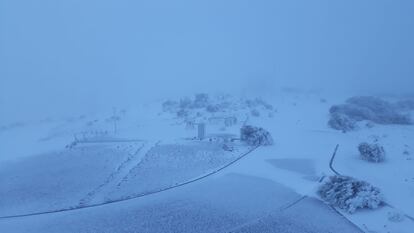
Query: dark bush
(353, 112)
(255, 136)
(213, 108)
(350, 194)
(182, 113)
(254, 103)
(185, 103)
(371, 152)
(201, 100)
(342, 122)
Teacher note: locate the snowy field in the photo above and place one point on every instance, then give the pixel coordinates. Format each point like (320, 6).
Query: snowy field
(57, 180)
(96, 173)
(216, 205)
(143, 153)
(167, 165)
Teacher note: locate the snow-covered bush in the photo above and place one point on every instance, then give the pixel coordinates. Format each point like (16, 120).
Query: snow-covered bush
(405, 105)
(372, 109)
(371, 152)
(228, 147)
(342, 122)
(255, 136)
(268, 106)
(201, 100)
(185, 102)
(182, 113)
(350, 194)
(380, 111)
(254, 103)
(213, 108)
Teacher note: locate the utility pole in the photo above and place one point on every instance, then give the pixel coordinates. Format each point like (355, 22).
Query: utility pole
(115, 118)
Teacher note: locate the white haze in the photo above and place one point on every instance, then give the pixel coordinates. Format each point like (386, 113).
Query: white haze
(67, 57)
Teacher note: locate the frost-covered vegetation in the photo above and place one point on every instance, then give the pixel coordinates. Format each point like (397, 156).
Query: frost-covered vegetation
(215, 104)
(185, 104)
(255, 136)
(350, 194)
(371, 152)
(405, 105)
(342, 122)
(368, 108)
(219, 108)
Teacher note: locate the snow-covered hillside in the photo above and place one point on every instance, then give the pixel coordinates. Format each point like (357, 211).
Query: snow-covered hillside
(151, 154)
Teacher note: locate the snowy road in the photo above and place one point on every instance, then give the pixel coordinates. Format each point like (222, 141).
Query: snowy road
(229, 203)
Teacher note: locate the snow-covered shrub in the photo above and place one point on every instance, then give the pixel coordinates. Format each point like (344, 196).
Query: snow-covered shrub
(254, 103)
(372, 109)
(213, 108)
(228, 147)
(405, 105)
(353, 112)
(350, 194)
(371, 152)
(185, 102)
(341, 122)
(255, 136)
(251, 103)
(182, 113)
(201, 100)
(269, 107)
(380, 111)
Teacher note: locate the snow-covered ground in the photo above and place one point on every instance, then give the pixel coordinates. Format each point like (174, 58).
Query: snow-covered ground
(57, 180)
(230, 203)
(154, 149)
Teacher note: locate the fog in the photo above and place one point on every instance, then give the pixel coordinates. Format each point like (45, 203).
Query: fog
(65, 57)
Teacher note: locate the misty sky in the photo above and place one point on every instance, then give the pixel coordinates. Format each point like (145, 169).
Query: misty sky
(72, 55)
